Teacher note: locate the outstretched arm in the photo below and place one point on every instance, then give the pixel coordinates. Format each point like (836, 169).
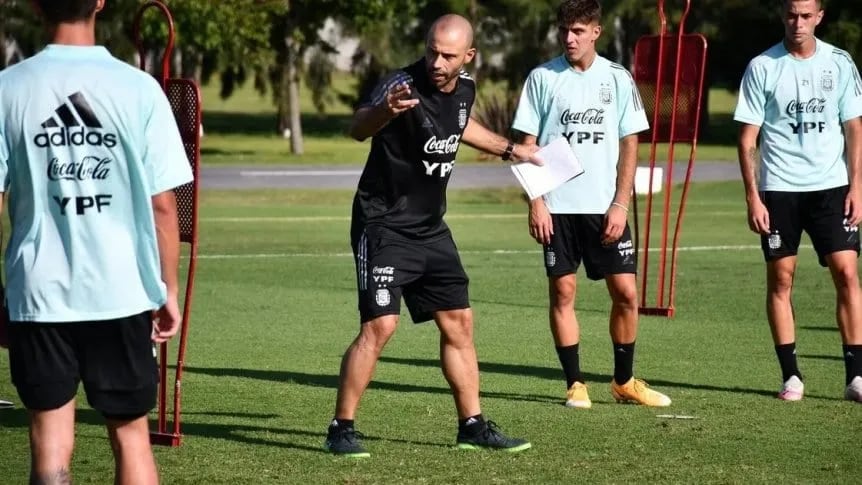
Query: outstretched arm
(481, 138)
(368, 120)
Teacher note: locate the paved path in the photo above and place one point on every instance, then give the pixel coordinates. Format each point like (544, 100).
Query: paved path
(346, 176)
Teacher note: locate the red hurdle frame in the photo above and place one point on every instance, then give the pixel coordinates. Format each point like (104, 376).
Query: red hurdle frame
(185, 99)
(651, 61)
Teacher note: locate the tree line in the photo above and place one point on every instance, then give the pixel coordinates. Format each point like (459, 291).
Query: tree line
(275, 44)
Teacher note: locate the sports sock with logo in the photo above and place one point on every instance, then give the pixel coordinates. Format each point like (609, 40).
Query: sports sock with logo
(571, 362)
(472, 425)
(852, 362)
(787, 360)
(624, 359)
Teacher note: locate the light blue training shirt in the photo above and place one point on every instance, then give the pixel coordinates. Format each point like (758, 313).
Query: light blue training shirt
(593, 109)
(800, 106)
(85, 141)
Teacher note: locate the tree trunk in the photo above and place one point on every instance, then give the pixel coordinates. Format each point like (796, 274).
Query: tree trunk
(191, 66)
(474, 18)
(293, 58)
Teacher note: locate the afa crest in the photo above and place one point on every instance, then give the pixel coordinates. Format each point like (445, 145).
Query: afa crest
(606, 96)
(826, 81)
(462, 116)
(774, 241)
(382, 297)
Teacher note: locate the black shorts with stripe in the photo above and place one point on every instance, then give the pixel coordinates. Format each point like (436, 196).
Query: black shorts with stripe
(427, 272)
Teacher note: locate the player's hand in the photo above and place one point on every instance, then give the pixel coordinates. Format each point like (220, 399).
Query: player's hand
(526, 153)
(398, 100)
(615, 224)
(758, 217)
(166, 321)
(853, 206)
(540, 222)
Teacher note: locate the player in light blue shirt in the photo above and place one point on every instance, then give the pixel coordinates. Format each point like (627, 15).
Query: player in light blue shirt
(89, 155)
(596, 106)
(802, 100)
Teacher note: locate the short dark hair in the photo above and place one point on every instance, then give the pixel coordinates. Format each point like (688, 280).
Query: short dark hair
(579, 11)
(63, 11)
(819, 3)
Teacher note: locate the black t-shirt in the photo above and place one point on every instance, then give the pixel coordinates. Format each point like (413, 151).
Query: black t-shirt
(403, 185)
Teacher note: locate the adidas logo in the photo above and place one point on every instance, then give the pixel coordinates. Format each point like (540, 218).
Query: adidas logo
(427, 123)
(73, 121)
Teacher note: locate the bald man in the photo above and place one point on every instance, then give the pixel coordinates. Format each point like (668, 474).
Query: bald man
(417, 118)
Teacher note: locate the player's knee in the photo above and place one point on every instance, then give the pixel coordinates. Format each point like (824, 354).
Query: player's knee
(377, 332)
(625, 298)
(457, 328)
(846, 277)
(780, 282)
(623, 291)
(562, 292)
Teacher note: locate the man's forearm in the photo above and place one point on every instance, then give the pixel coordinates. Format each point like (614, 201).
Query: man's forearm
(168, 237)
(626, 170)
(481, 138)
(747, 163)
(368, 121)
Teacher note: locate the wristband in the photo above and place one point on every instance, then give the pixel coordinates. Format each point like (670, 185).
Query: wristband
(621, 206)
(507, 155)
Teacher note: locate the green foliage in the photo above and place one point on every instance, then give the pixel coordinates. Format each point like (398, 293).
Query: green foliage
(496, 110)
(319, 74)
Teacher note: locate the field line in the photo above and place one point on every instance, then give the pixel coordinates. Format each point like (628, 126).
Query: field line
(449, 217)
(718, 248)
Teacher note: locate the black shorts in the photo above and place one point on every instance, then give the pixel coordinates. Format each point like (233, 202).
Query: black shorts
(427, 273)
(819, 213)
(578, 237)
(115, 359)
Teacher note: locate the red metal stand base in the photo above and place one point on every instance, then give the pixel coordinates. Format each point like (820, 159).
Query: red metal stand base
(656, 312)
(166, 439)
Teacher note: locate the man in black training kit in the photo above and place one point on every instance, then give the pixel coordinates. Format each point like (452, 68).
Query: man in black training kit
(417, 117)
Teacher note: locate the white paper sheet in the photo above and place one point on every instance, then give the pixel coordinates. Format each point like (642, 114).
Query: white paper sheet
(560, 166)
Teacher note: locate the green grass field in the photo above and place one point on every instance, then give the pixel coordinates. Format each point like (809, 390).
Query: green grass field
(275, 308)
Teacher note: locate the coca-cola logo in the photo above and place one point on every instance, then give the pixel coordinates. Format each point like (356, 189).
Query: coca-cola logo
(812, 106)
(89, 168)
(591, 116)
(444, 146)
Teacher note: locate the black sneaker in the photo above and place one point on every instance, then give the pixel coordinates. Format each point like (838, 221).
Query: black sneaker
(491, 438)
(344, 441)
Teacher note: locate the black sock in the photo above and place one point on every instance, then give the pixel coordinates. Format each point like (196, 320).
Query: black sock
(571, 362)
(787, 360)
(341, 423)
(624, 360)
(852, 362)
(471, 425)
